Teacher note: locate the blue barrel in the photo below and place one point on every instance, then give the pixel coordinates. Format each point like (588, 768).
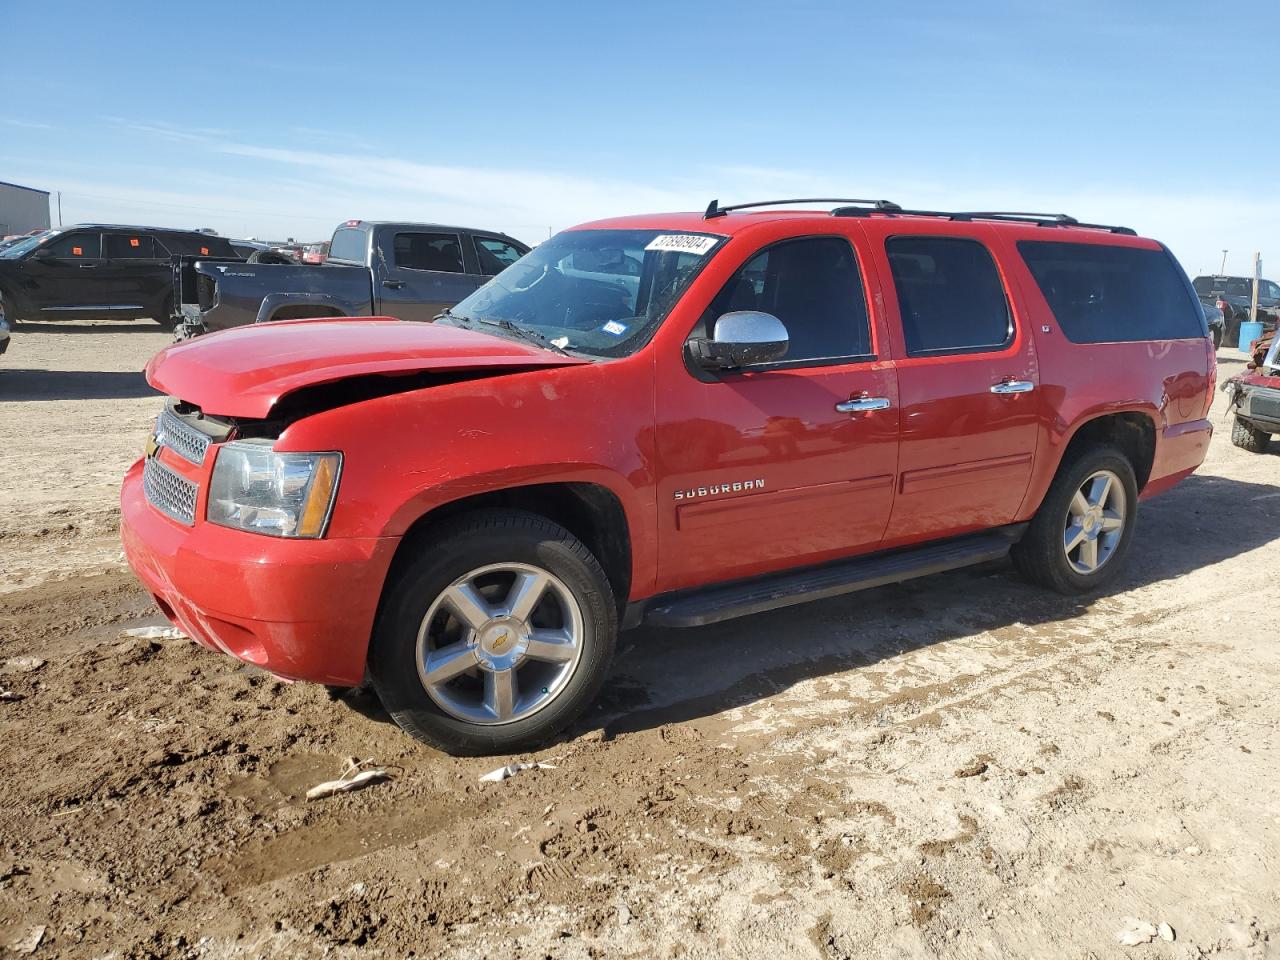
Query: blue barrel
(1249, 332)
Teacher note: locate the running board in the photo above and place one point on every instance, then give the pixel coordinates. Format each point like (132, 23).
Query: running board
(713, 604)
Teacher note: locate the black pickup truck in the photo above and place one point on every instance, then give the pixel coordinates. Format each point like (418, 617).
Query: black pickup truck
(411, 271)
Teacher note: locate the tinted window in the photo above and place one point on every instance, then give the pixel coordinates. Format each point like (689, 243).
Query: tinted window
(76, 246)
(949, 295)
(123, 246)
(813, 286)
(428, 251)
(1101, 293)
(1204, 286)
(1269, 289)
(348, 244)
(496, 255)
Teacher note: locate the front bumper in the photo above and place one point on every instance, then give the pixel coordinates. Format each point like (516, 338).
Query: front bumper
(302, 609)
(1260, 406)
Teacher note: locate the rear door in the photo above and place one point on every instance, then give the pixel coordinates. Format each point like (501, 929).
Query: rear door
(422, 273)
(70, 282)
(135, 272)
(967, 380)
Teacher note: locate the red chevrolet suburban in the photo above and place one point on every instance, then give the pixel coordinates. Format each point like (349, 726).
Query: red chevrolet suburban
(672, 419)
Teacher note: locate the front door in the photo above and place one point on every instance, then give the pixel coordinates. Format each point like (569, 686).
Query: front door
(424, 275)
(968, 383)
(66, 280)
(786, 463)
(135, 273)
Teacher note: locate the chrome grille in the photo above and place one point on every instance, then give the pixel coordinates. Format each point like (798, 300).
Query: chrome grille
(187, 442)
(168, 492)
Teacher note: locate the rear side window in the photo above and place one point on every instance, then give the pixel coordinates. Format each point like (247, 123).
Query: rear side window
(949, 295)
(348, 244)
(76, 246)
(813, 286)
(440, 252)
(1102, 293)
(121, 246)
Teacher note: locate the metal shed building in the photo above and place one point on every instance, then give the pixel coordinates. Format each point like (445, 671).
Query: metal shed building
(22, 209)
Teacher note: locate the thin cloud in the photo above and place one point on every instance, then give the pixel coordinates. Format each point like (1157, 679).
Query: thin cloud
(26, 124)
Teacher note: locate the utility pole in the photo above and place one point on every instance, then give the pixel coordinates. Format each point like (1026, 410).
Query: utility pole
(1224, 262)
(59, 208)
(1257, 282)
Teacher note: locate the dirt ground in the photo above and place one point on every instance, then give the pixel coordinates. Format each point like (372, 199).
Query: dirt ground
(963, 766)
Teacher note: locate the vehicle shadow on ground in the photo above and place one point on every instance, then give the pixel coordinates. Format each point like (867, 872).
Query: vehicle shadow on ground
(20, 385)
(665, 676)
(674, 676)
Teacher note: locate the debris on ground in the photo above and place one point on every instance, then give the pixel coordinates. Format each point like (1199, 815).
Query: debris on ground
(156, 633)
(1136, 932)
(1165, 932)
(24, 664)
(351, 778)
(30, 943)
(511, 769)
(977, 768)
(8, 696)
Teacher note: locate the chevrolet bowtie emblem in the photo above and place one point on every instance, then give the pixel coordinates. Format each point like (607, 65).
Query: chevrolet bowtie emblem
(501, 640)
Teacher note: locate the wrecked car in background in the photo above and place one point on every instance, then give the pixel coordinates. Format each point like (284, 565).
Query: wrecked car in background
(1255, 397)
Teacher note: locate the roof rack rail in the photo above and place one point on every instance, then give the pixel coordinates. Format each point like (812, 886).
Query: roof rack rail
(1039, 219)
(715, 210)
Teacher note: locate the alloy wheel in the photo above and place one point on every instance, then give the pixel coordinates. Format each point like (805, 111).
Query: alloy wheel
(1095, 522)
(500, 643)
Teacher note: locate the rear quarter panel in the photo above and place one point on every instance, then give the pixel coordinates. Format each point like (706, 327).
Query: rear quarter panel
(1169, 381)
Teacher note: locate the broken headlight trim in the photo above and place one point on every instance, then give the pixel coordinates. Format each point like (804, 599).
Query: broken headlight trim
(277, 494)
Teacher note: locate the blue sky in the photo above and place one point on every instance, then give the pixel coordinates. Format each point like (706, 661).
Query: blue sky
(282, 119)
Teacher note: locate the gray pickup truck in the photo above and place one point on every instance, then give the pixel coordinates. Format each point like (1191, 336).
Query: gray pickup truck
(412, 271)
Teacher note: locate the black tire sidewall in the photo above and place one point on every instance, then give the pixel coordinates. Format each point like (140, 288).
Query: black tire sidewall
(1040, 555)
(497, 537)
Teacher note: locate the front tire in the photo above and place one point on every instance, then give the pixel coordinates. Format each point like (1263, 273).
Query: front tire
(1079, 537)
(1248, 437)
(495, 637)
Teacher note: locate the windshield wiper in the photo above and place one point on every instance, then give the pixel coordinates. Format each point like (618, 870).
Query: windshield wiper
(448, 314)
(524, 333)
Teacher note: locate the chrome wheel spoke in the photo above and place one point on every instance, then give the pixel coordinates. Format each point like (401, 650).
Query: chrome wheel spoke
(1079, 506)
(1074, 536)
(556, 646)
(1111, 520)
(448, 662)
(471, 608)
(525, 593)
(1100, 490)
(500, 692)
(1089, 555)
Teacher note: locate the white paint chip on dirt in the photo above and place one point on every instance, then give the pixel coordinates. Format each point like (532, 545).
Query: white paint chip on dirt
(24, 664)
(511, 769)
(351, 778)
(1136, 932)
(156, 633)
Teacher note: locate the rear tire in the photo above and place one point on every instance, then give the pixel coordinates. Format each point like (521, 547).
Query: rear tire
(166, 314)
(461, 664)
(1078, 539)
(1248, 437)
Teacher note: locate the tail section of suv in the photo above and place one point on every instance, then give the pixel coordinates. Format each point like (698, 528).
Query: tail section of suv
(672, 419)
(91, 271)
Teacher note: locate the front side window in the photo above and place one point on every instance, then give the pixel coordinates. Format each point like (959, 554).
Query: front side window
(440, 252)
(814, 287)
(598, 292)
(495, 255)
(123, 246)
(950, 296)
(76, 246)
(24, 246)
(1102, 293)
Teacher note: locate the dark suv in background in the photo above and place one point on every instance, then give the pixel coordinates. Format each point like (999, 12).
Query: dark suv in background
(1234, 297)
(90, 271)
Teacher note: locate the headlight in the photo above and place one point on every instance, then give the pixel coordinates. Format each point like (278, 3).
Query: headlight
(279, 494)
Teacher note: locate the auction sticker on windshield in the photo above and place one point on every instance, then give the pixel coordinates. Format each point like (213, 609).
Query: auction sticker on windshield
(683, 243)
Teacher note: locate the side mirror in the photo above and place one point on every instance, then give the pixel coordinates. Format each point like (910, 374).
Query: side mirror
(740, 339)
(44, 254)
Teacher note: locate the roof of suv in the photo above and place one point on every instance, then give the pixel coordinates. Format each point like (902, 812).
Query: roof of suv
(727, 221)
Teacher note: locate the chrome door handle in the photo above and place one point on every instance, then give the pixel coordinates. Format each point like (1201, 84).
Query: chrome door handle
(863, 404)
(393, 284)
(87, 266)
(1012, 386)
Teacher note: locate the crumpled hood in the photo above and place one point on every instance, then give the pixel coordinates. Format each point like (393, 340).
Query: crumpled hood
(246, 371)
